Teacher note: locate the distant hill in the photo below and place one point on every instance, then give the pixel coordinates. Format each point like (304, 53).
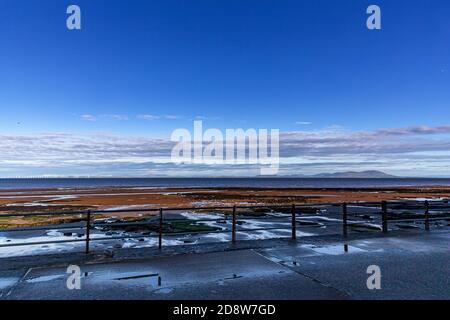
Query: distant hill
(352, 174)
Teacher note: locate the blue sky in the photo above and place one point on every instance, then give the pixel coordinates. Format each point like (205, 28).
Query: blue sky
(140, 69)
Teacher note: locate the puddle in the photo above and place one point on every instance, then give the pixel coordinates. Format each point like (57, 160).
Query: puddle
(333, 249)
(152, 275)
(164, 291)
(7, 282)
(364, 227)
(126, 278)
(289, 263)
(320, 218)
(310, 223)
(45, 278)
(365, 217)
(235, 276)
(54, 233)
(143, 276)
(407, 226)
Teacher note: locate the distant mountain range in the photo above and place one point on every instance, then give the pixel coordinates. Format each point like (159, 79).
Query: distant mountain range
(353, 174)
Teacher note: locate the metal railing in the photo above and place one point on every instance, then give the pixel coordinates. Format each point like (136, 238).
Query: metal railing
(295, 214)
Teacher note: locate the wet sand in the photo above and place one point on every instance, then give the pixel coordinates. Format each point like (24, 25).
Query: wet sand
(63, 200)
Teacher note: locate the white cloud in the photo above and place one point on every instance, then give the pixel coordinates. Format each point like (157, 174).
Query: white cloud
(148, 117)
(171, 117)
(151, 117)
(124, 117)
(89, 117)
(116, 117)
(205, 118)
(408, 150)
(303, 123)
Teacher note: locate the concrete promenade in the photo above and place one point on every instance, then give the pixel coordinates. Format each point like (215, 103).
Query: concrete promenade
(414, 265)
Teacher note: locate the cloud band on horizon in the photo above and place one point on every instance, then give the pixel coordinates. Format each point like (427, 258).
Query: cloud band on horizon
(410, 151)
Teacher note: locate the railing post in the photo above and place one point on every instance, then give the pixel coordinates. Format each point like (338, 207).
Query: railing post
(427, 216)
(160, 228)
(233, 228)
(294, 224)
(344, 219)
(384, 216)
(88, 230)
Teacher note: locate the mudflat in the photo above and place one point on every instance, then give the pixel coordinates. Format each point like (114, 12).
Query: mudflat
(168, 197)
(129, 198)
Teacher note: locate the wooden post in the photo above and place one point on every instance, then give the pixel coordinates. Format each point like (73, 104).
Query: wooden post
(384, 216)
(160, 228)
(233, 228)
(344, 219)
(427, 216)
(88, 230)
(294, 224)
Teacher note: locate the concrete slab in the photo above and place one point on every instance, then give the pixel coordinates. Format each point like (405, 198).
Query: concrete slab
(236, 275)
(411, 268)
